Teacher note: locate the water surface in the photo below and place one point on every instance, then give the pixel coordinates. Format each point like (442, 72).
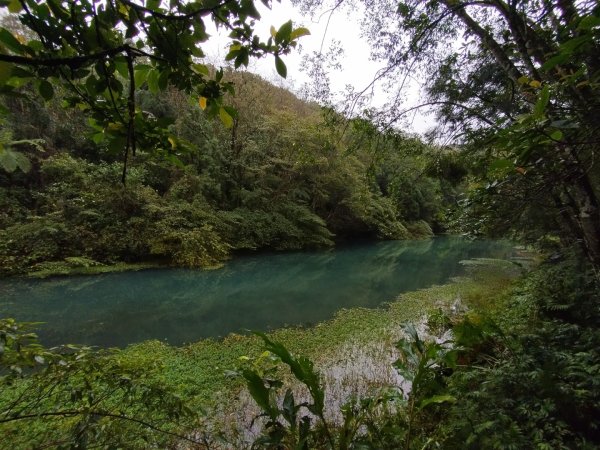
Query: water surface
(256, 292)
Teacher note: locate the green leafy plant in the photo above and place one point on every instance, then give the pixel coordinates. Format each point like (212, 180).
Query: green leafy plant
(297, 431)
(90, 397)
(423, 364)
(369, 422)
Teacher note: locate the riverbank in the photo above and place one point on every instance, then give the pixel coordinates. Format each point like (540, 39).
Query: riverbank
(76, 266)
(85, 267)
(353, 351)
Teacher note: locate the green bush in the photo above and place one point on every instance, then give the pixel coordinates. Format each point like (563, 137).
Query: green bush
(198, 247)
(76, 397)
(46, 238)
(419, 229)
(534, 384)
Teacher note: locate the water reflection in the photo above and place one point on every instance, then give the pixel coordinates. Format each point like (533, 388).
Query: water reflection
(251, 292)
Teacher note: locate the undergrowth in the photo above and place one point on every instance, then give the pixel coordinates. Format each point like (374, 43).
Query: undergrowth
(519, 371)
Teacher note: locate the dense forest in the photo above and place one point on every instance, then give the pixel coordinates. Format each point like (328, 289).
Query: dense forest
(122, 149)
(284, 176)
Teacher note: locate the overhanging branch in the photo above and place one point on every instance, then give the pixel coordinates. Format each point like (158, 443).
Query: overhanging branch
(74, 61)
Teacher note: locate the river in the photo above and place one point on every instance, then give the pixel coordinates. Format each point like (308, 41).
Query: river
(256, 292)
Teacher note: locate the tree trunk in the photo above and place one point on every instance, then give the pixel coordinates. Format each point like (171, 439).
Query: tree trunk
(588, 217)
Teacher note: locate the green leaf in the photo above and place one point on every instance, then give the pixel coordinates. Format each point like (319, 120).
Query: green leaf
(557, 135)
(116, 86)
(299, 32)
(201, 69)
(173, 141)
(259, 392)
(163, 79)
(573, 44)
(564, 124)
(242, 58)
(46, 90)
(91, 84)
(124, 10)
(117, 143)
(284, 33)
(97, 138)
(121, 65)
(10, 41)
(231, 111)
(289, 408)
(15, 6)
(11, 160)
(540, 106)
(589, 22)
(247, 8)
(58, 10)
(446, 398)
(7, 160)
(6, 70)
(501, 164)
(152, 4)
(556, 60)
(303, 370)
(225, 118)
(200, 32)
(141, 74)
(280, 66)
(234, 49)
(403, 9)
(153, 77)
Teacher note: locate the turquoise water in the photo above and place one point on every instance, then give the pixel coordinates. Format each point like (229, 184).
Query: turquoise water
(258, 292)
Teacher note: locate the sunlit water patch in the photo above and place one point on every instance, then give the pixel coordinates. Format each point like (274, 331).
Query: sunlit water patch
(258, 292)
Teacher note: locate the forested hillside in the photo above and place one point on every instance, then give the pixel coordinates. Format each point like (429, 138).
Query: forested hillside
(286, 175)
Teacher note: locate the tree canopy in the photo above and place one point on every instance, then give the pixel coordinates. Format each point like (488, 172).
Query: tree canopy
(517, 83)
(101, 51)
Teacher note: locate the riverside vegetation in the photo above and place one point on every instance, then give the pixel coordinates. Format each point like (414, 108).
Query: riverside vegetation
(489, 361)
(281, 178)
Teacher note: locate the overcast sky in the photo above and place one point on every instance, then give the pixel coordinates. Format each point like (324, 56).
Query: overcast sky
(357, 69)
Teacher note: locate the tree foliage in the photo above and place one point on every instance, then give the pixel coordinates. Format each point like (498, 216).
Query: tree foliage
(517, 90)
(102, 52)
(76, 397)
(278, 178)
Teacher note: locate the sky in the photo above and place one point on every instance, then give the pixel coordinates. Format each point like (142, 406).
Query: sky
(357, 69)
(320, 38)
